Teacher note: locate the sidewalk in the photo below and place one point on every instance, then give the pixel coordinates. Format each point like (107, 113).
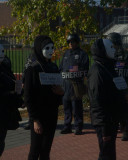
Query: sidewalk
(65, 147)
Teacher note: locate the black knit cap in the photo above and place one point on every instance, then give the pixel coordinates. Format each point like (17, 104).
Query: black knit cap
(40, 42)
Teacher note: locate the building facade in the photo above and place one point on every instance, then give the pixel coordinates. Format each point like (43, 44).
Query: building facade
(5, 15)
(102, 17)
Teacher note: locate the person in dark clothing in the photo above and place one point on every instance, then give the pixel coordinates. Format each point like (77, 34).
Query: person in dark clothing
(31, 58)
(8, 103)
(42, 101)
(74, 68)
(107, 97)
(28, 63)
(122, 69)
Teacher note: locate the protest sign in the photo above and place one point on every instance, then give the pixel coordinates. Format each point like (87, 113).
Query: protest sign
(50, 78)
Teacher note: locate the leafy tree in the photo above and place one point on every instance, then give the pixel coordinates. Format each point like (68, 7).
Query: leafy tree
(112, 3)
(55, 18)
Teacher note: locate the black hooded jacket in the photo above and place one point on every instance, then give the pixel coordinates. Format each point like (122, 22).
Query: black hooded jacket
(40, 100)
(107, 103)
(10, 101)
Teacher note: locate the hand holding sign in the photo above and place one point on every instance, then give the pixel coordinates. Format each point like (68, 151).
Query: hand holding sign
(120, 83)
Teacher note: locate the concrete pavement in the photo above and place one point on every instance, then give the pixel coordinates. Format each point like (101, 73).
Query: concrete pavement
(65, 147)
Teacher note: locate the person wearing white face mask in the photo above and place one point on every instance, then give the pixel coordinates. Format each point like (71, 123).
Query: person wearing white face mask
(42, 101)
(48, 51)
(107, 97)
(121, 68)
(9, 102)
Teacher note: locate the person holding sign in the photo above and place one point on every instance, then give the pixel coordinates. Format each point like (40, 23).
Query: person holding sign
(42, 100)
(107, 97)
(122, 69)
(74, 67)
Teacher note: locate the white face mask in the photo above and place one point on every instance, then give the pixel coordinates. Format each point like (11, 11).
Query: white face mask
(109, 47)
(48, 50)
(1, 53)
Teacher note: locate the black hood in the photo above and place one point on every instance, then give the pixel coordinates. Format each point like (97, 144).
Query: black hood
(39, 43)
(99, 53)
(98, 49)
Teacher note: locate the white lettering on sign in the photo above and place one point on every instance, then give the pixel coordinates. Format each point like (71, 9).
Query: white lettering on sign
(50, 78)
(66, 75)
(122, 72)
(120, 83)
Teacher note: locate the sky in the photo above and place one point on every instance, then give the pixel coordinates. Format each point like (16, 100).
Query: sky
(98, 1)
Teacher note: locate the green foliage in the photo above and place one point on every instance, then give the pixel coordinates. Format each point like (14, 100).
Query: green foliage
(112, 3)
(41, 17)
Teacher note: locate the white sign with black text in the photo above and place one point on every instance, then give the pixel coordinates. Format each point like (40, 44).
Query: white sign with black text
(120, 83)
(50, 78)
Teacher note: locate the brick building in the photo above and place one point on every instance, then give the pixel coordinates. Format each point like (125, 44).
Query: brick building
(5, 15)
(105, 19)
(102, 17)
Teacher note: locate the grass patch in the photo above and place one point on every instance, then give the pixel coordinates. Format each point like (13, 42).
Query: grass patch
(18, 58)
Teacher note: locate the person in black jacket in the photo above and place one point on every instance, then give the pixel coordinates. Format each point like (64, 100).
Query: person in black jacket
(9, 102)
(28, 63)
(107, 97)
(42, 101)
(122, 69)
(74, 67)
